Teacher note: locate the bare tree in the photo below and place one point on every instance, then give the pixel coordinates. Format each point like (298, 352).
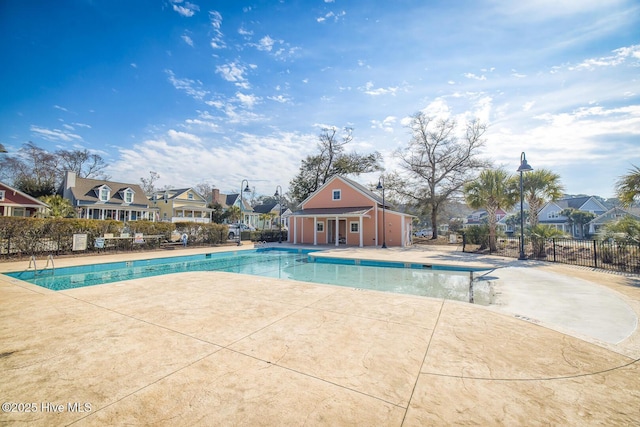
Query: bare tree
(32, 170)
(331, 160)
(82, 162)
(436, 163)
(148, 184)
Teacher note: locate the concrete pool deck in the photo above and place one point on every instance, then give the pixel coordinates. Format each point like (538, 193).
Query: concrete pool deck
(559, 346)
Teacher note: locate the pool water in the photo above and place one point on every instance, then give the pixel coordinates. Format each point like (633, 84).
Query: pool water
(281, 264)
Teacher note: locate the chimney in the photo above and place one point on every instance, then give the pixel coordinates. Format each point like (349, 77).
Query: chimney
(68, 184)
(215, 196)
(70, 180)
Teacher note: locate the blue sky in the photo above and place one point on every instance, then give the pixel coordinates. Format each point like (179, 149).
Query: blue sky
(217, 92)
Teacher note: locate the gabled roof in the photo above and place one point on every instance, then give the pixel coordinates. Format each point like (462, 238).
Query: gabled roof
(9, 191)
(174, 193)
(265, 208)
(609, 215)
(85, 190)
(578, 202)
(358, 187)
(232, 198)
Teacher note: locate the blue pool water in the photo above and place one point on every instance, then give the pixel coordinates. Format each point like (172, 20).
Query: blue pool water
(283, 264)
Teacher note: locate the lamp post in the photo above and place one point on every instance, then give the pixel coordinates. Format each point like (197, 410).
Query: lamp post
(380, 186)
(278, 194)
(524, 167)
(246, 190)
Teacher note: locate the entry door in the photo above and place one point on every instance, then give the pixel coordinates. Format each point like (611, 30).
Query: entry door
(331, 230)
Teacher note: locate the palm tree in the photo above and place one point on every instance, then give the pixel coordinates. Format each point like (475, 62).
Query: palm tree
(628, 187)
(539, 187)
(234, 213)
(492, 191)
(539, 235)
(58, 207)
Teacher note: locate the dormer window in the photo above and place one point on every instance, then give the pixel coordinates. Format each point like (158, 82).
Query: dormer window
(128, 196)
(104, 193)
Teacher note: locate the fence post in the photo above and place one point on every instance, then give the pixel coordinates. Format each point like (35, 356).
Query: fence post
(595, 254)
(553, 243)
(464, 241)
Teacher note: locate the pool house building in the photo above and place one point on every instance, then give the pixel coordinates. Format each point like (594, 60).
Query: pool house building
(344, 212)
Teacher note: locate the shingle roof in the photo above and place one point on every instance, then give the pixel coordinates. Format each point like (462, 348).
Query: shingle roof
(87, 190)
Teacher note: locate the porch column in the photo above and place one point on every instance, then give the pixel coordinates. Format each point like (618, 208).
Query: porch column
(315, 231)
(403, 241)
(376, 225)
(337, 231)
(360, 229)
(295, 230)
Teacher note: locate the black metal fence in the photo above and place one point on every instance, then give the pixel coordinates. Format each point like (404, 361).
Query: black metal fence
(608, 255)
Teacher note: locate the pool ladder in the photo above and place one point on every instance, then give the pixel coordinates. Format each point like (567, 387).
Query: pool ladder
(32, 261)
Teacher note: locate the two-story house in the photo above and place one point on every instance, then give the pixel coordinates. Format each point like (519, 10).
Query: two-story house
(248, 216)
(181, 205)
(270, 215)
(551, 213)
(101, 199)
(342, 211)
(16, 203)
(613, 214)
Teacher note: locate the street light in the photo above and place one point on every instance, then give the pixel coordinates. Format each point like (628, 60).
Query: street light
(384, 227)
(278, 194)
(524, 167)
(246, 190)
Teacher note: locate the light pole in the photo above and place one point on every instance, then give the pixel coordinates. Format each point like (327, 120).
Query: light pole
(380, 186)
(278, 194)
(524, 167)
(246, 190)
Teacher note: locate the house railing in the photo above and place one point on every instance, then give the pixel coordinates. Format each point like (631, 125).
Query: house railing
(607, 255)
(199, 220)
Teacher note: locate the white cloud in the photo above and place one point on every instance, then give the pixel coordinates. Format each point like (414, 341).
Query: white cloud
(192, 88)
(247, 100)
(234, 72)
(220, 161)
(57, 107)
(474, 77)
(266, 44)
(331, 16)
(280, 98)
(187, 39)
(54, 134)
(369, 90)
(386, 124)
(187, 10)
(217, 41)
(619, 56)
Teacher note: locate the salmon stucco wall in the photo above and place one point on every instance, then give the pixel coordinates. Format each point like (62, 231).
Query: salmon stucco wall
(349, 197)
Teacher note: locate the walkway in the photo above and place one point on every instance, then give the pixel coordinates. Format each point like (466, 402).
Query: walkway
(214, 348)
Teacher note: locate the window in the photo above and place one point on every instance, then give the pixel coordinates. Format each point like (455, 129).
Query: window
(355, 227)
(337, 194)
(320, 227)
(1, 194)
(128, 196)
(190, 196)
(104, 194)
(553, 215)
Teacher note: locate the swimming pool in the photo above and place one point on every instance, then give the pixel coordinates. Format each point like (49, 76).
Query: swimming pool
(279, 263)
